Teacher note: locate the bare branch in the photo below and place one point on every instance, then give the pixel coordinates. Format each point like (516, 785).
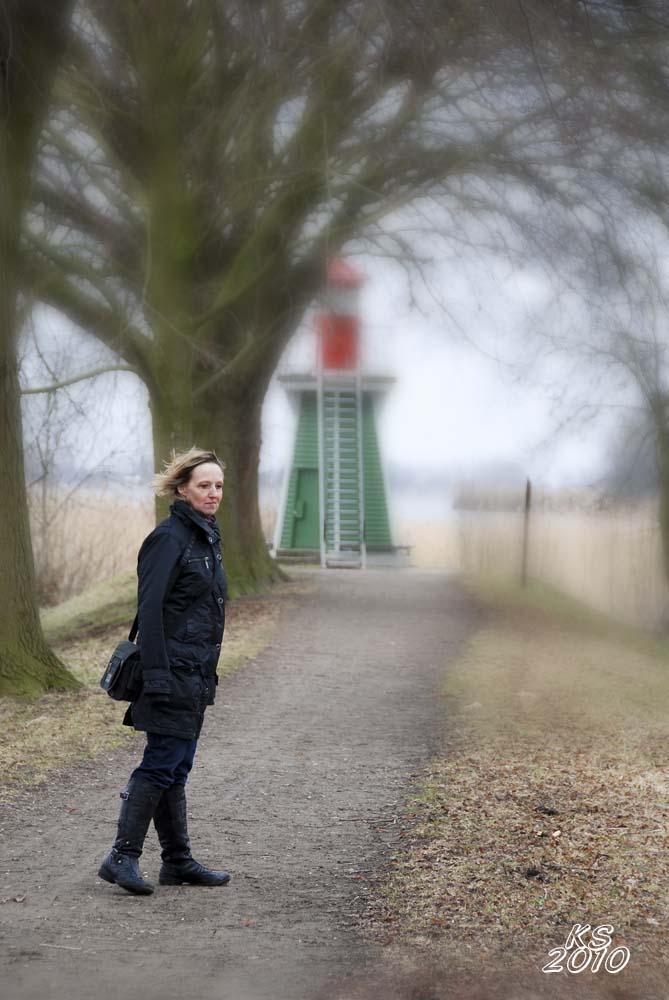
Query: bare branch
(78, 378)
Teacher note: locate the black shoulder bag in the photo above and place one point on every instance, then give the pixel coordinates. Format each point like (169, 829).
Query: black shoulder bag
(122, 679)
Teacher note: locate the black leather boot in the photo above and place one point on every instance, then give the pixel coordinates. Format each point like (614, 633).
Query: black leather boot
(138, 806)
(179, 866)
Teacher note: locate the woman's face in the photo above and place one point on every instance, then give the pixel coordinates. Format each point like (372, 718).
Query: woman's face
(204, 489)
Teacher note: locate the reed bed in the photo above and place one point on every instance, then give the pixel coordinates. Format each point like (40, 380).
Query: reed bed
(435, 544)
(84, 538)
(610, 560)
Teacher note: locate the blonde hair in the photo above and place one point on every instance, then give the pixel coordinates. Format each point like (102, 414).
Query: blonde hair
(178, 470)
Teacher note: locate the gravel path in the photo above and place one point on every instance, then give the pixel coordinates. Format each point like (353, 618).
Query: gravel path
(300, 776)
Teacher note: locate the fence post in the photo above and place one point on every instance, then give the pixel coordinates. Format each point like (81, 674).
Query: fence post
(526, 532)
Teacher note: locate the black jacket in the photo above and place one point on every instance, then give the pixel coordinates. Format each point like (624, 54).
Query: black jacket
(181, 607)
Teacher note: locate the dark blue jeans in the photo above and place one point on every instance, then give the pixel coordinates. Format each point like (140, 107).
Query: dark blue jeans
(167, 760)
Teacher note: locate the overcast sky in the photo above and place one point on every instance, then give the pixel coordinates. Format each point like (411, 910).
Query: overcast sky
(453, 407)
(457, 403)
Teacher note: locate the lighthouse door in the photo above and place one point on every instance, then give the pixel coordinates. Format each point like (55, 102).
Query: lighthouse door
(305, 513)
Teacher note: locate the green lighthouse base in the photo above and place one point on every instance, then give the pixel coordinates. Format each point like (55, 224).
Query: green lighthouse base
(352, 519)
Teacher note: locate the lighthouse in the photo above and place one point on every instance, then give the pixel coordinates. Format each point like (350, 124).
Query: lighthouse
(334, 504)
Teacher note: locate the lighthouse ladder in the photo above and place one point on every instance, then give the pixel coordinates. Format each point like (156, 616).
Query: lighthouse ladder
(342, 471)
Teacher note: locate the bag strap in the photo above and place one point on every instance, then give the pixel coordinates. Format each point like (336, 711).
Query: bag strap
(173, 579)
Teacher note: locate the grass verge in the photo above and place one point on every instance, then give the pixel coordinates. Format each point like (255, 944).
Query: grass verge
(551, 805)
(97, 609)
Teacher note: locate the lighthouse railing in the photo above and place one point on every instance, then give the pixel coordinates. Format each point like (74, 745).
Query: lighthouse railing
(321, 460)
(361, 469)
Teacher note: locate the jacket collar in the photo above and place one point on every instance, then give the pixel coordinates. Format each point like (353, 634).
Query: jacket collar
(185, 512)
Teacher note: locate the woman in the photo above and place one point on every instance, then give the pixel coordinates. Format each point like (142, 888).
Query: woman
(181, 610)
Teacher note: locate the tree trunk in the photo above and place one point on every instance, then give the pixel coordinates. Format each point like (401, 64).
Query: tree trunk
(662, 444)
(27, 665)
(30, 33)
(228, 422)
(171, 417)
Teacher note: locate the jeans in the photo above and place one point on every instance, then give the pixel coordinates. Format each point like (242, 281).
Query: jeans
(167, 760)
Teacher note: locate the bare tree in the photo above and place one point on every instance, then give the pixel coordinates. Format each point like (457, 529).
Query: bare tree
(80, 526)
(203, 165)
(608, 332)
(631, 468)
(31, 42)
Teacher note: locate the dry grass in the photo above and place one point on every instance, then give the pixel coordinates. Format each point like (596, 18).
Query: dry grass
(42, 736)
(268, 516)
(551, 805)
(609, 560)
(112, 602)
(434, 544)
(83, 538)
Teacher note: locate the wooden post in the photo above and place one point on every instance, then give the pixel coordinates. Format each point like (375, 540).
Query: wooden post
(526, 531)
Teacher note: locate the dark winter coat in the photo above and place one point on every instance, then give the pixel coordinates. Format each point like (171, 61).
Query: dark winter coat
(181, 607)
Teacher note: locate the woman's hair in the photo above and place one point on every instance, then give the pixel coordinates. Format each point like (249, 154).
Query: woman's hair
(179, 469)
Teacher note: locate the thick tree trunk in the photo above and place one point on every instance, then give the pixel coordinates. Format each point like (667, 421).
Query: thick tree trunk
(29, 44)
(662, 444)
(230, 423)
(171, 416)
(227, 421)
(27, 665)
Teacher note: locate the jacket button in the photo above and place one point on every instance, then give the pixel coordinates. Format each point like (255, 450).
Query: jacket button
(218, 645)
(211, 538)
(220, 600)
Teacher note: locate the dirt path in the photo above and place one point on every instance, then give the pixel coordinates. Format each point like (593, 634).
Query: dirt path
(300, 775)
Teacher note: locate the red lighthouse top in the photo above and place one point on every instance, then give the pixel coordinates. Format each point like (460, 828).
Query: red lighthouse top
(338, 325)
(343, 275)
